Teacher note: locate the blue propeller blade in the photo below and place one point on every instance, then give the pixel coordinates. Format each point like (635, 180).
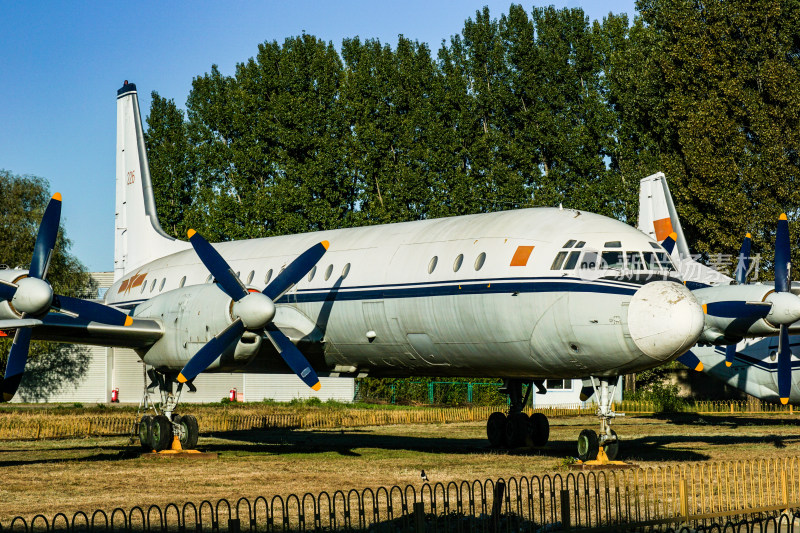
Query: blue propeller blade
(738, 309)
(730, 354)
(7, 290)
(46, 238)
(743, 267)
(92, 311)
(669, 243)
(296, 360)
(209, 353)
(782, 255)
(692, 361)
(15, 367)
(784, 366)
(295, 271)
(218, 267)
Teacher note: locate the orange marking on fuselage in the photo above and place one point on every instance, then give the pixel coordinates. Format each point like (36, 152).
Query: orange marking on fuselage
(521, 256)
(663, 228)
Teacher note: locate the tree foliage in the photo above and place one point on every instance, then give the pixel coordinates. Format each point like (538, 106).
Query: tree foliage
(22, 205)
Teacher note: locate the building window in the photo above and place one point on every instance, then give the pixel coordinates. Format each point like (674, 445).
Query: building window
(559, 384)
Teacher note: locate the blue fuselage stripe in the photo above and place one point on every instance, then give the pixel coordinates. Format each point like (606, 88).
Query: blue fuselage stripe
(419, 290)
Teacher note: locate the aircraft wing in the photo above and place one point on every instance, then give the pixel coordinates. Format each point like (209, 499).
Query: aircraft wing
(62, 328)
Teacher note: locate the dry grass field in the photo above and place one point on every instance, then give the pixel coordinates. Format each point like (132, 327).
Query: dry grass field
(96, 473)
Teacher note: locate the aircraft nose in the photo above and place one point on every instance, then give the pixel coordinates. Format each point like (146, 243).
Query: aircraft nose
(664, 319)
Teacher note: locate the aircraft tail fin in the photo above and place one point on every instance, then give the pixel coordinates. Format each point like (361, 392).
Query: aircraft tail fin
(138, 237)
(657, 215)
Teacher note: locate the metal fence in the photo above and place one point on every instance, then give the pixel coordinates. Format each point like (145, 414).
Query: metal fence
(739, 494)
(34, 424)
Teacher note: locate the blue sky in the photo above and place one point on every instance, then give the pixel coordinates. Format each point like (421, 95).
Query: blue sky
(62, 63)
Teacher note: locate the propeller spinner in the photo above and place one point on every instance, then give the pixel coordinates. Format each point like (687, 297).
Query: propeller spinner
(252, 311)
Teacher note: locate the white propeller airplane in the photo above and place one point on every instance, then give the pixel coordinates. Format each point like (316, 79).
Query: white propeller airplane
(522, 295)
(746, 341)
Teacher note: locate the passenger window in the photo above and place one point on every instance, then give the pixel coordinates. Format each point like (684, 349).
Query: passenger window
(328, 272)
(613, 244)
(634, 261)
(208, 279)
(161, 287)
(153, 285)
(572, 260)
(144, 286)
(345, 270)
(250, 277)
(432, 264)
(183, 282)
(457, 262)
(589, 261)
(239, 275)
(313, 271)
(612, 259)
(569, 243)
(558, 261)
(480, 261)
(268, 276)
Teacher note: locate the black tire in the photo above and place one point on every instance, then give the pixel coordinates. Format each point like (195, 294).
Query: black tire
(190, 431)
(161, 433)
(496, 429)
(517, 429)
(588, 445)
(145, 432)
(612, 448)
(539, 430)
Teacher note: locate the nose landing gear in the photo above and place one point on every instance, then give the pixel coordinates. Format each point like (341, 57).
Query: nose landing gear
(517, 429)
(602, 447)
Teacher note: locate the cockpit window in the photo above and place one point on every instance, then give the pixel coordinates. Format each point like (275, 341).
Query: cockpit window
(655, 245)
(569, 244)
(612, 259)
(572, 260)
(558, 261)
(580, 244)
(613, 244)
(634, 261)
(665, 261)
(650, 261)
(589, 260)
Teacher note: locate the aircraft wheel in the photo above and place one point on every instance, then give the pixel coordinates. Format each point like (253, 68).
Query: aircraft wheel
(161, 433)
(588, 445)
(496, 429)
(517, 430)
(145, 432)
(190, 431)
(539, 432)
(612, 448)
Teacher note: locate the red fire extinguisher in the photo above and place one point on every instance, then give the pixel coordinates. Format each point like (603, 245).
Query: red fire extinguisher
(115, 396)
(232, 396)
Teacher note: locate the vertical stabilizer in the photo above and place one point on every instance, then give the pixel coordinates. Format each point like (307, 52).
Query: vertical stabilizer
(658, 218)
(657, 215)
(138, 236)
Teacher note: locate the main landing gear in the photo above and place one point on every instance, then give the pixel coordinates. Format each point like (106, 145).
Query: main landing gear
(605, 445)
(517, 429)
(158, 431)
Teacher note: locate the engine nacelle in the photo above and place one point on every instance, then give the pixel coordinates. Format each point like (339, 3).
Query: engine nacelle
(12, 275)
(191, 317)
(723, 330)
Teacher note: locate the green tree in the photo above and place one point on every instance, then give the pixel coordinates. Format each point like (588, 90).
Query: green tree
(22, 205)
(170, 157)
